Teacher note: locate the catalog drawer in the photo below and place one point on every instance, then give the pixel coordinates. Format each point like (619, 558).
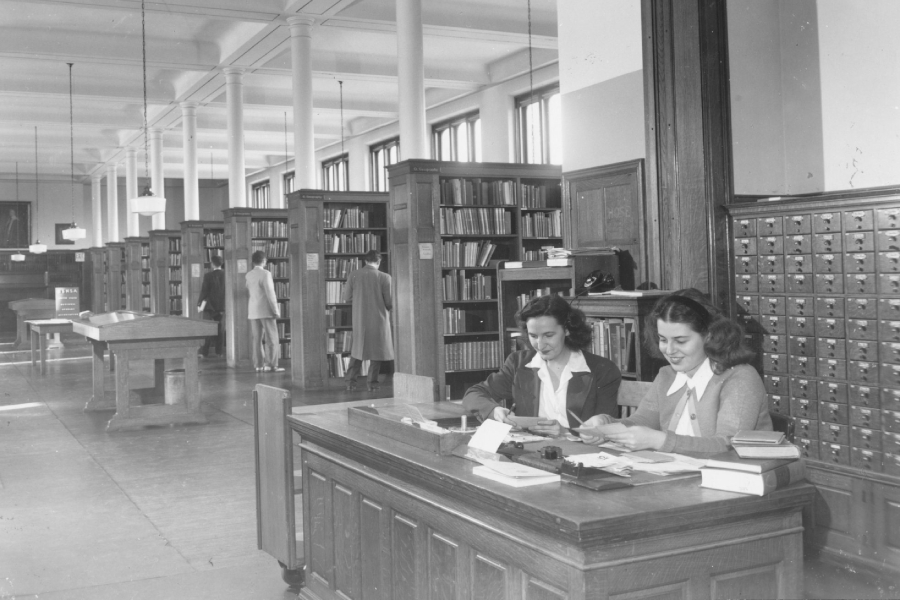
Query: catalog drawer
(744, 228)
(799, 284)
(834, 453)
(887, 240)
(799, 264)
(863, 372)
(774, 343)
(803, 366)
(771, 244)
(889, 284)
(780, 405)
(831, 348)
(827, 222)
(771, 305)
(800, 306)
(828, 243)
(828, 263)
(890, 375)
(888, 262)
(861, 437)
(806, 428)
(797, 244)
(862, 350)
(804, 409)
(804, 388)
(775, 384)
(859, 220)
(749, 304)
(863, 395)
(745, 265)
(890, 399)
(890, 352)
(831, 413)
(802, 346)
(774, 324)
(863, 329)
(889, 331)
(860, 284)
(833, 433)
(826, 326)
(867, 460)
(832, 391)
(769, 226)
(859, 241)
(890, 464)
(775, 363)
(771, 282)
(745, 246)
(830, 307)
(802, 326)
(860, 416)
(796, 224)
(829, 283)
(890, 442)
(831, 368)
(859, 262)
(863, 308)
(745, 283)
(888, 218)
(808, 448)
(890, 421)
(770, 264)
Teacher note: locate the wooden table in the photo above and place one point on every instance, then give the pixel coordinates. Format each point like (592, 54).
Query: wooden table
(385, 520)
(138, 336)
(39, 331)
(30, 309)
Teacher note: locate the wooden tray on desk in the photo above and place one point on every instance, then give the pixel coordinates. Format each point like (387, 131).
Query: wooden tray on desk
(386, 421)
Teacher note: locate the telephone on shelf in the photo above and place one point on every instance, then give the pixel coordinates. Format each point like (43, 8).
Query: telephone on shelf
(598, 281)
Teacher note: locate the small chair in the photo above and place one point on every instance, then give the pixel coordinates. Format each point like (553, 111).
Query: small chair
(630, 395)
(784, 424)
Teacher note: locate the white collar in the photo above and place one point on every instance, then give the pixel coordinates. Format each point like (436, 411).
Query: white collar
(576, 363)
(698, 382)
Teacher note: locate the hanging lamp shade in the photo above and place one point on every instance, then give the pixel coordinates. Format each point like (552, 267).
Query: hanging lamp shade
(17, 257)
(147, 204)
(37, 248)
(74, 232)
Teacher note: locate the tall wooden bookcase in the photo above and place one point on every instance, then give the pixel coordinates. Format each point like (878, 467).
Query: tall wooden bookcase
(248, 230)
(438, 211)
(817, 280)
(329, 233)
(96, 257)
(200, 240)
(165, 271)
(114, 276)
(137, 274)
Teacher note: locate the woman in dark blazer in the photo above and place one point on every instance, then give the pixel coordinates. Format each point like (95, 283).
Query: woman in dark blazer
(553, 377)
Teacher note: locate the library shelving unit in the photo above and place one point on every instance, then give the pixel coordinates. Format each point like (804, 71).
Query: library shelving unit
(451, 225)
(200, 241)
(540, 206)
(137, 274)
(165, 272)
(96, 257)
(330, 231)
(246, 231)
(114, 280)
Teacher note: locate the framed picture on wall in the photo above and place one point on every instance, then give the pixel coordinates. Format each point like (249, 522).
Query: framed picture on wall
(59, 228)
(15, 224)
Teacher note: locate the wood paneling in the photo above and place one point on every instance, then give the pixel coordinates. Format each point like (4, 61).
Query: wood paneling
(346, 545)
(316, 529)
(404, 554)
(372, 518)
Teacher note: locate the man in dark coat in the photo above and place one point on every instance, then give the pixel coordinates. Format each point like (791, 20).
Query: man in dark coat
(212, 303)
(370, 292)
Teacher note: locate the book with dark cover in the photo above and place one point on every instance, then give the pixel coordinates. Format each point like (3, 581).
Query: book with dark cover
(731, 460)
(758, 484)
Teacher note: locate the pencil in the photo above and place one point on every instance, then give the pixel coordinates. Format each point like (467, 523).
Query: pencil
(574, 416)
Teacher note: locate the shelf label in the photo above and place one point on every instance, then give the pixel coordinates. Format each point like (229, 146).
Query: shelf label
(195, 270)
(242, 265)
(79, 257)
(312, 262)
(426, 251)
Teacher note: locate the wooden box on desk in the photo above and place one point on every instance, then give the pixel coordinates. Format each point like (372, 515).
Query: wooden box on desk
(386, 422)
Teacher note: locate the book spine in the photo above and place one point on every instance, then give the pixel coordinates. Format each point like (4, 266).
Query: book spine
(783, 476)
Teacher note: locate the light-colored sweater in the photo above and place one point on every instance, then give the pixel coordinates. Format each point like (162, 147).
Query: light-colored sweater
(733, 401)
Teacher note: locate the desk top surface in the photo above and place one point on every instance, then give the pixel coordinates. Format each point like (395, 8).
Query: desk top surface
(129, 325)
(557, 509)
(32, 303)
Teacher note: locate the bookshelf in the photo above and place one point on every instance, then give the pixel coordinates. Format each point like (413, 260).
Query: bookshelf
(248, 230)
(200, 240)
(137, 274)
(540, 216)
(96, 257)
(451, 225)
(114, 280)
(330, 231)
(165, 272)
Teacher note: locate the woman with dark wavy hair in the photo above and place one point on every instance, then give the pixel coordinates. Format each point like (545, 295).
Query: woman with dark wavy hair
(555, 377)
(706, 394)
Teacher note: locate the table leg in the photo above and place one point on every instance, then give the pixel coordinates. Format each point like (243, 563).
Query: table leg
(33, 350)
(21, 331)
(42, 349)
(98, 401)
(159, 377)
(55, 342)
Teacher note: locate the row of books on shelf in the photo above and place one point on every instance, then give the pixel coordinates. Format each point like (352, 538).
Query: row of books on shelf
(174, 289)
(174, 244)
(526, 297)
(174, 273)
(535, 255)
(268, 228)
(338, 316)
(475, 221)
(282, 289)
(542, 224)
(614, 339)
(174, 260)
(457, 253)
(460, 320)
(334, 292)
(758, 463)
(145, 277)
(285, 350)
(145, 250)
(540, 196)
(271, 248)
(460, 192)
(145, 262)
(347, 217)
(340, 268)
(338, 365)
(145, 289)
(284, 308)
(214, 238)
(145, 304)
(475, 287)
(280, 269)
(349, 243)
(210, 252)
(461, 356)
(284, 329)
(175, 306)
(338, 341)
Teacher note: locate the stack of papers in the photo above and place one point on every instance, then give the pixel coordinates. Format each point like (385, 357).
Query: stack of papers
(515, 474)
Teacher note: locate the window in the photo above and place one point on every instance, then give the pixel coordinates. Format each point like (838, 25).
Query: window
(538, 127)
(335, 175)
(288, 183)
(260, 195)
(457, 139)
(381, 156)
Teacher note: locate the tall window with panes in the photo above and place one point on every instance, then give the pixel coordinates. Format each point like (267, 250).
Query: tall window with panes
(382, 156)
(538, 127)
(259, 193)
(288, 181)
(335, 174)
(457, 139)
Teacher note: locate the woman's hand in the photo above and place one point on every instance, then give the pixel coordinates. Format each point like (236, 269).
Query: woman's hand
(639, 438)
(548, 427)
(501, 414)
(595, 421)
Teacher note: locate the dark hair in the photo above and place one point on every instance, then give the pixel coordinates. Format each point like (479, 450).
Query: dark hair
(724, 341)
(372, 256)
(571, 318)
(258, 257)
(216, 260)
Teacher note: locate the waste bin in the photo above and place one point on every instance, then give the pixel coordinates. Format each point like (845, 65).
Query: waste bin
(174, 388)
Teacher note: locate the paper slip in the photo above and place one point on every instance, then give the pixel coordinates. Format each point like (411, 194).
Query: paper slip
(512, 469)
(524, 422)
(601, 429)
(489, 435)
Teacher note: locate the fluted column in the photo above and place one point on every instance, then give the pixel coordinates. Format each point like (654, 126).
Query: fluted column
(234, 98)
(191, 183)
(157, 176)
(411, 76)
(97, 207)
(304, 134)
(131, 191)
(112, 203)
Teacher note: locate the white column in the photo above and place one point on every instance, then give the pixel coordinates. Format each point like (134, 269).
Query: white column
(234, 98)
(304, 133)
(97, 208)
(131, 191)
(112, 203)
(191, 183)
(497, 113)
(411, 76)
(157, 176)
(358, 157)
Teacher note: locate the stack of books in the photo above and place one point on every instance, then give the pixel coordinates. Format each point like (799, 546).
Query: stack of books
(763, 444)
(730, 472)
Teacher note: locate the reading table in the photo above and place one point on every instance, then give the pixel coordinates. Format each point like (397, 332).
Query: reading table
(39, 330)
(30, 308)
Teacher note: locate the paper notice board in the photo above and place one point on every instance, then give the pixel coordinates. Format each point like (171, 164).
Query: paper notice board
(68, 302)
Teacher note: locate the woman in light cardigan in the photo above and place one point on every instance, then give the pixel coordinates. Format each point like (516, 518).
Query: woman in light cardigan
(708, 392)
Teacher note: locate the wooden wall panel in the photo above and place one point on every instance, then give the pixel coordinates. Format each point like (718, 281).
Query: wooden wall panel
(748, 583)
(489, 578)
(404, 552)
(443, 562)
(372, 566)
(318, 533)
(346, 545)
(536, 589)
(675, 591)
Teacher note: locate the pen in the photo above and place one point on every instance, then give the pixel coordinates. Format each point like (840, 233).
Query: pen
(574, 416)
(512, 408)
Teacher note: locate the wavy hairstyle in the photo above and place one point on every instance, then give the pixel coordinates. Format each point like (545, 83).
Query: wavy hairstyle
(571, 318)
(724, 341)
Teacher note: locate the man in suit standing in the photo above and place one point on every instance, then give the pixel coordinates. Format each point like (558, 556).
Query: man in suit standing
(212, 303)
(370, 292)
(262, 312)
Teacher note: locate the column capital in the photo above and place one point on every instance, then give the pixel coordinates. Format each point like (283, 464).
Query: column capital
(154, 131)
(233, 72)
(189, 107)
(130, 151)
(300, 25)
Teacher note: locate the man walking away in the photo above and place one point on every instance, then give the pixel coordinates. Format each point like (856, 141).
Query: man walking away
(370, 292)
(212, 304)
(262, 312)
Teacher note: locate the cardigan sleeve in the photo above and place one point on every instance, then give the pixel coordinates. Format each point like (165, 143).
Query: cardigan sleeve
(487, 395)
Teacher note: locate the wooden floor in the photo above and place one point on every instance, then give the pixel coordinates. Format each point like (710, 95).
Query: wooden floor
(166, 512)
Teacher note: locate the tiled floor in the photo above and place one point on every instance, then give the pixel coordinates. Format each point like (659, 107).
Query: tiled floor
(162, 513)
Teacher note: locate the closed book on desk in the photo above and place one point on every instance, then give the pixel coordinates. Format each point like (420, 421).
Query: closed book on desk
(754, 438)
(731, 460)
(784, 450)
(757, 484)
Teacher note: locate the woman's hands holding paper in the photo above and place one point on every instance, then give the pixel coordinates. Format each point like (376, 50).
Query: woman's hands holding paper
(638, 438)
(590, 431)
(502, 414)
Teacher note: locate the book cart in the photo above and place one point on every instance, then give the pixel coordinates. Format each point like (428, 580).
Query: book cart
(330, 232)
(165, 274)
(200, 241)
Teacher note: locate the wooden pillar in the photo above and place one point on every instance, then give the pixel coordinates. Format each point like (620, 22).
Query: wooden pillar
(688, 137)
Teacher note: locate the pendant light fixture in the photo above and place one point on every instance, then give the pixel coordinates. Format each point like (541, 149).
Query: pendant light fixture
(18, 256)
(74, 232)
(37, 247)
(147, 203)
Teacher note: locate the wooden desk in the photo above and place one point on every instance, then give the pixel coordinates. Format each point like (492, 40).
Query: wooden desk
(137, 336)
(30, 309)
(385, 520)
(39, 331)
